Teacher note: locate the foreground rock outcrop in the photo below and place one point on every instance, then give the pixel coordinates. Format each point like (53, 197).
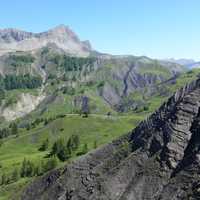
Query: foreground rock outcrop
(159, 160)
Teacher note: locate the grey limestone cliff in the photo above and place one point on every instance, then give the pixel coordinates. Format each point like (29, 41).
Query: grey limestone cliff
(12, 40)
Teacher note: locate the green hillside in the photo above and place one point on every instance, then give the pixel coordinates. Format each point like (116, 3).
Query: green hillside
(65, 80)
(94, 131)
(93, 99)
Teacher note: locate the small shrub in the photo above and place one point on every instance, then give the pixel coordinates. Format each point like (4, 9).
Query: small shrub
(15, 175)
(44, 146)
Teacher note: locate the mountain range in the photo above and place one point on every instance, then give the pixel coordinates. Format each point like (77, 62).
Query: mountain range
(77, 123)
(110, 83)
(12, 40)
(189, 63)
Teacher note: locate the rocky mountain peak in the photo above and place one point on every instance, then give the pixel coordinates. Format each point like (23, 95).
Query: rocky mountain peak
(87, 44)
(62, 29)
(62, 36)
(64, 32)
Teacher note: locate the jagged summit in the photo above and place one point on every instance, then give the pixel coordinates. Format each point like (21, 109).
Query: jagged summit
(12, 40)
(60, 30)
(10, 35)
(62, 26)
(159, 160)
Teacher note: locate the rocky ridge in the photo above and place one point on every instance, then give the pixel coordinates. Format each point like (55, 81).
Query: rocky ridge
(12, 40)
(159, 160)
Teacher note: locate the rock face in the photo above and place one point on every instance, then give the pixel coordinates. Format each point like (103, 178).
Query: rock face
(126, 75)
(25, 104)
(82, 103)
(159, 160)
(12, 40)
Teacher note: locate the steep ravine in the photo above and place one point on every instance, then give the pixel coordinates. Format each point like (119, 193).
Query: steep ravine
(159, 160)
(125, 80)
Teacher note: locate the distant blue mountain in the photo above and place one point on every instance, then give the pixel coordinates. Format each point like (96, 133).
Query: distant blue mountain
(189, 63)
(194, 65)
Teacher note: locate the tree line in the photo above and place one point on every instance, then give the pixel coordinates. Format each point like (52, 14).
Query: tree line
(72, 63)
(12, 81)
(7, 131)
(20, 60)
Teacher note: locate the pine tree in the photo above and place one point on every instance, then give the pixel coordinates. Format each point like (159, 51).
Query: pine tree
(23, 168)
(44, 145)
(75, 141)
(70, 145)
(3, 179)
(85, 148)
(59, 144)
(14, 129)
(38, 170)
(64, 154)
(27, 168)
(2, 94)
(15, 175)
(28, 127)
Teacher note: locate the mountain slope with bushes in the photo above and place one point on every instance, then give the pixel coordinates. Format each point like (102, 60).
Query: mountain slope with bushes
(159, 159)
(60, 80)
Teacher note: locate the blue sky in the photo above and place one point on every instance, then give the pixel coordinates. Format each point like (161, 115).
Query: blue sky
(155, 28)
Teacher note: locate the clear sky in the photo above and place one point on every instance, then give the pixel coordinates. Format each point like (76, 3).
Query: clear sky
(155, 28)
